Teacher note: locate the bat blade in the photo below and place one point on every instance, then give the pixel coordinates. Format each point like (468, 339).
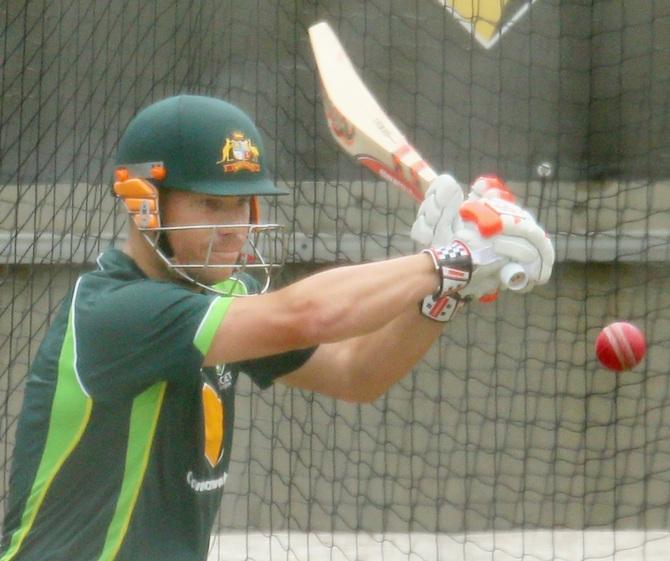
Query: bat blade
(358, 123)
(364, 130)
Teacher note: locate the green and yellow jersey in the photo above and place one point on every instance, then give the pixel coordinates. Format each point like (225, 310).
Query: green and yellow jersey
(124, 440)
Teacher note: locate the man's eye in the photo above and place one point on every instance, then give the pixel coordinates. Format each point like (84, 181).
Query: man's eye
(222, 204)
(211, 204)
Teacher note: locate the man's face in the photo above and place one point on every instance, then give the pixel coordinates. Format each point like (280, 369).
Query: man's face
(213, 246)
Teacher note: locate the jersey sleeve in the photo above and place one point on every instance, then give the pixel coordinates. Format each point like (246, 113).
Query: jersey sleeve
(144, 332)
(264, 371)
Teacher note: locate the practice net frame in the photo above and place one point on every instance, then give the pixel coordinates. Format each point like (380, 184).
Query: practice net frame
(508, 441)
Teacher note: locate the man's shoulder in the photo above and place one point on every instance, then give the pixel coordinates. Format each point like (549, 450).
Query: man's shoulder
(118, 286)
(114, 263)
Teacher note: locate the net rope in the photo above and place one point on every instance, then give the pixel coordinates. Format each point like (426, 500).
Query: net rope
(508, 424)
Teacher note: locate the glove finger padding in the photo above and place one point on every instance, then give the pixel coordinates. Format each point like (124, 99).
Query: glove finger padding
(490, 187)
(499, 232)
(437, 217)
(527, 244)
(422, 231)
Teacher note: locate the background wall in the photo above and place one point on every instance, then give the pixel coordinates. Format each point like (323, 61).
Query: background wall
(509, 422)
(580, 84)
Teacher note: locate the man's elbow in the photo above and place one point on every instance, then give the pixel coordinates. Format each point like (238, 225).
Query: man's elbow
(369, 396)
(362, 388)
(360, 382)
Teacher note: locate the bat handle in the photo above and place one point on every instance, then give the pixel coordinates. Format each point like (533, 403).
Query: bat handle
(514, 277)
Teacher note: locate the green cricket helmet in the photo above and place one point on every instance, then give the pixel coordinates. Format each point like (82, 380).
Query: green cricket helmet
(201, 145)
(205, 145)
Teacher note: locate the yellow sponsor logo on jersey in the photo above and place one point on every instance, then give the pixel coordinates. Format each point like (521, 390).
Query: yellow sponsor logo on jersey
(213, 412)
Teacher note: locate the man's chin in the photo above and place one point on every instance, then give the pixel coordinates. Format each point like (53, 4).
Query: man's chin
(204, 276)
(210, 277)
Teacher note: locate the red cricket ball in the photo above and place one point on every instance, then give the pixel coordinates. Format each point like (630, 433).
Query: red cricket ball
(620, 346)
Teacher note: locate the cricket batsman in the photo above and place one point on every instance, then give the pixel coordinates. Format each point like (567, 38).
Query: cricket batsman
(124, 439)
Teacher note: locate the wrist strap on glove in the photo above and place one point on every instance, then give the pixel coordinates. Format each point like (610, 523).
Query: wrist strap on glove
(443, 308)
(453, 264)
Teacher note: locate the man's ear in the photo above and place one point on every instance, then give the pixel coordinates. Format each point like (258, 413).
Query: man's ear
(255, 216)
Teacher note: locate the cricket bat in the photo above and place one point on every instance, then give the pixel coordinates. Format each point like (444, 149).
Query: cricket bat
(358, 123)
(364, 130)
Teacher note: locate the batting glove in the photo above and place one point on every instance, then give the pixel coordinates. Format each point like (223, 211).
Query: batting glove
(490, 187)
(437, 218)
(435, 225)
(505, 239)
(498, 244)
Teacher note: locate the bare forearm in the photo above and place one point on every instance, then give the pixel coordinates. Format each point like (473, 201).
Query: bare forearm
(331, 306)
(378, 360)
(363, 368)
(351, 301)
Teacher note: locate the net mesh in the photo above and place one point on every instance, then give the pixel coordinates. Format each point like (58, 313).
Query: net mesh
(508, 423)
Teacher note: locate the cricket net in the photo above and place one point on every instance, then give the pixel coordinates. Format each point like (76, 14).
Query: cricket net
(508, 433)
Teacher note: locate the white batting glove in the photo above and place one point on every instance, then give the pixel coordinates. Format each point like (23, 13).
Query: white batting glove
(490, 187)
(505, 237)
(435, 225)
(497, 245)
(437, 218)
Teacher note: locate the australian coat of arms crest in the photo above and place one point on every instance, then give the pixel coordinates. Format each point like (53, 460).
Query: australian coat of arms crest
(238, 154)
